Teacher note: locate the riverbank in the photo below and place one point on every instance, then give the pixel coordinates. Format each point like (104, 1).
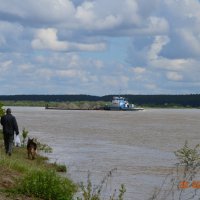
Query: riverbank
(86, 105)
(38, 179)
(18, 174)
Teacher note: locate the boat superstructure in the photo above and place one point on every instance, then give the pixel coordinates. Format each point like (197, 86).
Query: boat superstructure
(120, 103)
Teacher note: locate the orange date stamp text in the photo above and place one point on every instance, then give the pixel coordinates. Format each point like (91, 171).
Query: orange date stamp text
(187, 184)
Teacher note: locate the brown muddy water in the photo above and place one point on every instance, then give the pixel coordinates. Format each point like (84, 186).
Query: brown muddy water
(139, 144)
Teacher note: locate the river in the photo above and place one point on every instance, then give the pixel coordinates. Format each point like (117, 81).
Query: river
(138, 144)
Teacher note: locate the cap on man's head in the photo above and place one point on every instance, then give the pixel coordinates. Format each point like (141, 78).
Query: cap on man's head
(8, 111)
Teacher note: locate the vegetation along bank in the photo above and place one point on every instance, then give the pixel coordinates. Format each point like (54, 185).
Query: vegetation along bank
(160, 100)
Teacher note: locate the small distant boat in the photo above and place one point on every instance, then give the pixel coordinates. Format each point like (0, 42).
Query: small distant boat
(120, 103)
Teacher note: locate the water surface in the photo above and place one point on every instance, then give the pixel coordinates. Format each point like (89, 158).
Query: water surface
(138, 144)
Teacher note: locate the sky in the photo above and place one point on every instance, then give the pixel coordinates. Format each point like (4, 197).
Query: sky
(99, 47)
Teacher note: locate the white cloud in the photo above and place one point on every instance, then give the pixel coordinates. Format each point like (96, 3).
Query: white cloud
(110, 81)
(88, 47)
(174, 76)
(25, 67)
(98, 64)
(85, 13)
(44, 73)
(43, 11)
(151, 87)
(191, 40)
(116, 83)
(157, 46)
(69, 73)
(2, 41)
(109, 22)
(131, 11)
(104, 15)
(74, 61)
(171, 64)
(10, 32)
(153, 26)
(47, 39)
(138, 70)
(5, 66)
(88, 19)
(105, 45)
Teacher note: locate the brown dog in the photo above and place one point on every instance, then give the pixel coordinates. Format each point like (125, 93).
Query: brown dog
(31, 148)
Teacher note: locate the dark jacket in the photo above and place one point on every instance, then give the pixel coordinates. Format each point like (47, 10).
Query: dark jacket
(9, 124)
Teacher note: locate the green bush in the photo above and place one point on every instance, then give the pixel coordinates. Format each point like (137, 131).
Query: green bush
(188, 156)
(47, 185)
(24, 136)
(2, 111)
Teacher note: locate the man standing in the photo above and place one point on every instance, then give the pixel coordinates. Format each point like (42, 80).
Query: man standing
(10, 126)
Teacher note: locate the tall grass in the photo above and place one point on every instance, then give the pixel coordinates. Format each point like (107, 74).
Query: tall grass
(46, 185)
(94, 192)
(13, 165)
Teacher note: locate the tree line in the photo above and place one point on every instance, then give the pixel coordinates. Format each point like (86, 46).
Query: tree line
(185, 100)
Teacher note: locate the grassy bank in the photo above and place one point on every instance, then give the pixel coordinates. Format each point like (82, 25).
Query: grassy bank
(24, 179)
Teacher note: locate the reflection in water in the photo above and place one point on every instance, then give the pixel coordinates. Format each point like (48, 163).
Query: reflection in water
(139, 144)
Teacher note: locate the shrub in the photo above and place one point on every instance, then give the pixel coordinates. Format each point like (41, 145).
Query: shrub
(188, 156)
(2, 111)
(24, 136)
(94, 192)
(47, 185)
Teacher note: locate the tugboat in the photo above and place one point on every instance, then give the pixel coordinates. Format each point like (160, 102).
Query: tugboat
(120, 103)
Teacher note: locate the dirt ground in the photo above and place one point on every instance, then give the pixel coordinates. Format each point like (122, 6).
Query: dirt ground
(7, 181)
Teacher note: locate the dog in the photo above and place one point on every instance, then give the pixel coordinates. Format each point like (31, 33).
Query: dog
(31, 148)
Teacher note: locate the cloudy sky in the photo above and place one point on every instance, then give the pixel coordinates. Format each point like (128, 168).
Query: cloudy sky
(99, 47)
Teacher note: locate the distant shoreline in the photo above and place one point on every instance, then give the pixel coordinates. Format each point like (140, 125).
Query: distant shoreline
(89, 101)
(84, 105)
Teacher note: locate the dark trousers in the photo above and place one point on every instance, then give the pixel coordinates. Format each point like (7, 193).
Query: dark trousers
(8, 142)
